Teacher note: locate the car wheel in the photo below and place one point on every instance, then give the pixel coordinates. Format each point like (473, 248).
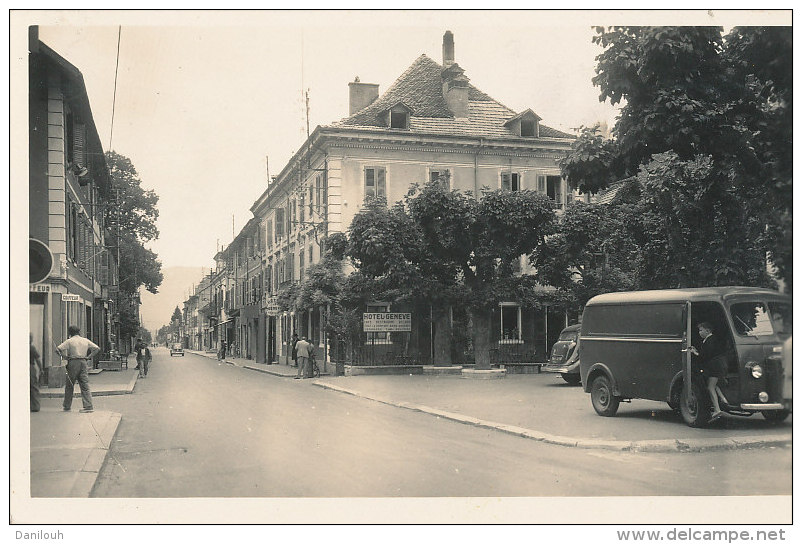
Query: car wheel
(695, 409)
(601, 395)
(572, 379)
(775, 416)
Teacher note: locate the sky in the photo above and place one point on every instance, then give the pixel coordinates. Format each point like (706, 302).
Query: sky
(208, 103)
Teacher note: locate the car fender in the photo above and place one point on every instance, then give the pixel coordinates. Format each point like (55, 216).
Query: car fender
(593, 371)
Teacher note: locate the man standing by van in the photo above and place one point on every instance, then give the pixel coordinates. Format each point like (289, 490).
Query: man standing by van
(77, 350)
(712, 362)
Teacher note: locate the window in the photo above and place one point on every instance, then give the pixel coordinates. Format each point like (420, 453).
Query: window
(782, 317)
(510, 181)
(510, 324)
(751, 319)
(302, 209)
(528, 128)
(318, 192)
(443, 176)
(269, 232)
(301, 264)
(553, 187)
(399, 119)
(292, 217)
(312, 200)
(279, 224)
(375, 182)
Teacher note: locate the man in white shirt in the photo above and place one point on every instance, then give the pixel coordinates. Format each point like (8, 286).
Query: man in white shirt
(302, 351)
(77, 350)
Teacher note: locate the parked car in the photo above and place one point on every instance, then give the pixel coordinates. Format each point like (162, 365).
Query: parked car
(564, 358)
(176, 349)
(636, 345)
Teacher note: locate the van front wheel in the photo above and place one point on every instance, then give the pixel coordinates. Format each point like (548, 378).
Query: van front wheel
(695, 409)
(775, 416)
(601, 395)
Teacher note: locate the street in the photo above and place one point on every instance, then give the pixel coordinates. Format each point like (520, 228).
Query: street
(196, 427)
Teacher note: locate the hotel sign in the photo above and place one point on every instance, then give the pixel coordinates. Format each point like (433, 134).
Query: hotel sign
(272, 308)
(387, 322)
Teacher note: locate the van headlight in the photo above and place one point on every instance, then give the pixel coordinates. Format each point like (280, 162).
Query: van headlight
(757, 371)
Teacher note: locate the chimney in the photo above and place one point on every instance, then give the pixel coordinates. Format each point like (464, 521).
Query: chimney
(455, 90)
(361, 95)
(33, 39)
(448, 49)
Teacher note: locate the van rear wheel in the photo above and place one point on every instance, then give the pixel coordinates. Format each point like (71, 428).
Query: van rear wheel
(695, 409)
(601, 395)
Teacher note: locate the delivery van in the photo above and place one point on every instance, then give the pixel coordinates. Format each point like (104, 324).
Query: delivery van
(637, 345)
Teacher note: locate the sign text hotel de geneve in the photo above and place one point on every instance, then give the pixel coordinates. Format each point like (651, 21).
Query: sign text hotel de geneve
(386, 322)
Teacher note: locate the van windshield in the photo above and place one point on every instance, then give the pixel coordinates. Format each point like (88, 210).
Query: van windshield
(751, 319)
(782, 317)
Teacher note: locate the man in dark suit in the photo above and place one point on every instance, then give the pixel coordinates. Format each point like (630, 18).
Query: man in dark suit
(712, 362)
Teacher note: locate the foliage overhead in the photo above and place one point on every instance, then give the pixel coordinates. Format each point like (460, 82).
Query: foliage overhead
(705, 129)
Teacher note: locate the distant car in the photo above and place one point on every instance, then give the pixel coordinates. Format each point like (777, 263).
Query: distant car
(564, 358)
(176, 349)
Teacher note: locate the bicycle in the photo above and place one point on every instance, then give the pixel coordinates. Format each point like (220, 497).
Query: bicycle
(315, 368)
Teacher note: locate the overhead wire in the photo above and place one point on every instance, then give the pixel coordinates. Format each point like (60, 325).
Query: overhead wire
(114, 98)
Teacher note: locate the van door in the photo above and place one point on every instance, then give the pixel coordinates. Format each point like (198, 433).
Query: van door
(686, 352)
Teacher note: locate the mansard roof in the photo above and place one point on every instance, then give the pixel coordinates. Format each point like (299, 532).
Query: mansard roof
(420, 88)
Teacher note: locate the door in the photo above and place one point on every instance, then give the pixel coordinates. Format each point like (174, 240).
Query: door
(686, 352)
(271, 339)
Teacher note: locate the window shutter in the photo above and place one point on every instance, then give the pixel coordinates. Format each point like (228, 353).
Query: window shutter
(541, 184)
(505, 181)
(381, 189)
(79, 143)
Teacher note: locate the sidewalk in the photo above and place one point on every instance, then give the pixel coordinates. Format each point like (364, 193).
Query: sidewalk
(543, 408)
(68, 448)
(276, 369)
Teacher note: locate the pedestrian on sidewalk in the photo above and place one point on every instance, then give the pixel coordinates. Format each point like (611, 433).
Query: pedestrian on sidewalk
(77, 350)
(294, 351)
(141, 365)
(302, 349)
(221, 353)
(36, 371)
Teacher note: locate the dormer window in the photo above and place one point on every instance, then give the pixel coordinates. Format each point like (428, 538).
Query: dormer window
(525, 124)
(399, 119)
(528, 128)
(397, 116)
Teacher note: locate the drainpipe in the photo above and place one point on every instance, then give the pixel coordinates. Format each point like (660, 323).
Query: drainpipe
(476, 168)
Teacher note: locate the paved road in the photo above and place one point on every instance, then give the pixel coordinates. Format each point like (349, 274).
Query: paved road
(199, 428)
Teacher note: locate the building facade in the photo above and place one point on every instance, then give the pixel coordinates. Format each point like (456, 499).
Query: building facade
(431, 124)
(69, 194)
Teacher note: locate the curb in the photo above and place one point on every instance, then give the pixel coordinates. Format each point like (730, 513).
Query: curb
(80, 482)
(52, 393)
(640, 446)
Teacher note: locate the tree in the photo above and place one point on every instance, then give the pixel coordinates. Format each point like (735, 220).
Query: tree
(134, 222)
(699, 131)
(448, 246)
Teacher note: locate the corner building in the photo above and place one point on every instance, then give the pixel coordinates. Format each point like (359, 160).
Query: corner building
(431, 124)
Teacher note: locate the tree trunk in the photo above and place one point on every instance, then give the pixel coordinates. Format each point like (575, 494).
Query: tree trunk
(481, 338)
(442, 337)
